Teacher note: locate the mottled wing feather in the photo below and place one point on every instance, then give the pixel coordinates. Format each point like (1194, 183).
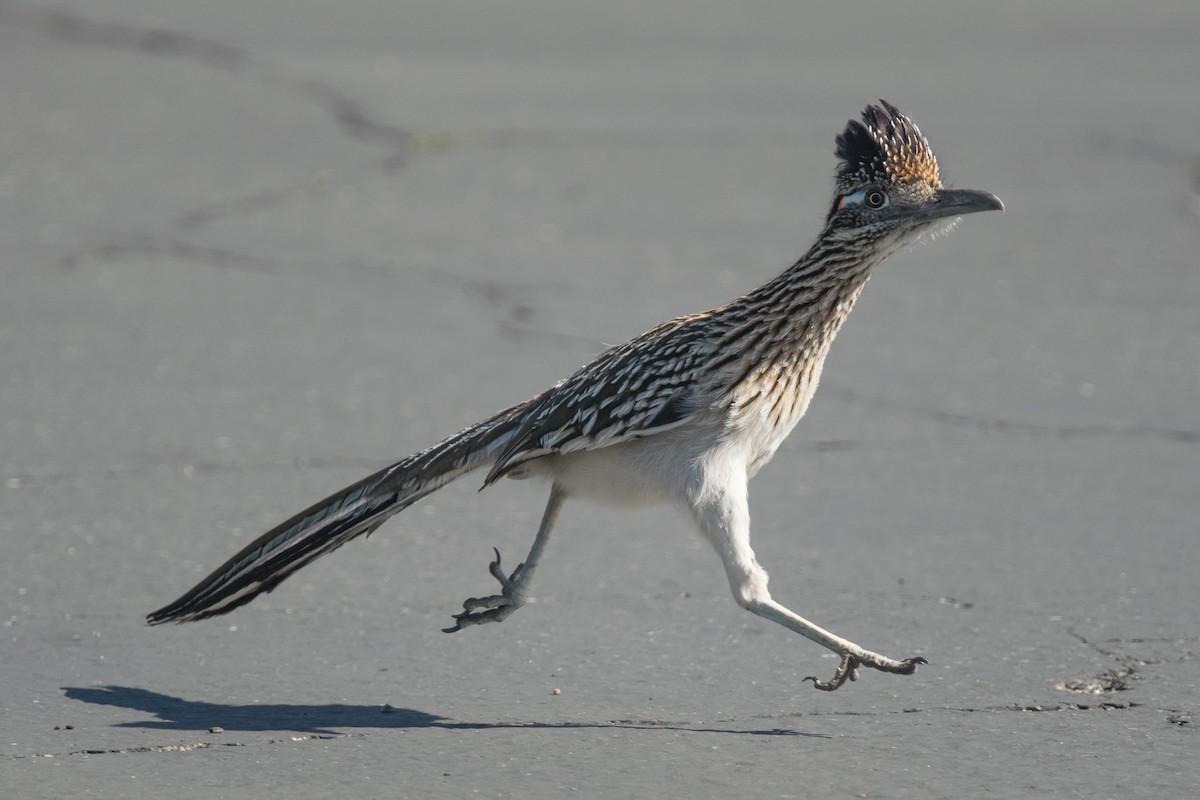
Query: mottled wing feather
(643, 387)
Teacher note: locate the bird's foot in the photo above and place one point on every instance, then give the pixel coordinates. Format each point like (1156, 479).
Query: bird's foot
(495, 607)
(848, 669)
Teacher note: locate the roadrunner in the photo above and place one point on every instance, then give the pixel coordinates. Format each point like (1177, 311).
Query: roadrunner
(684, 414)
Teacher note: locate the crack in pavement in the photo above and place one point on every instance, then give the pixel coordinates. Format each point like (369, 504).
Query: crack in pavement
(1003, 426)
(490, 291)
(213, 211)
(1130, 668)
(512, 297)
(997, 709)
(348, 114)
(145, 247)
(182, 747)
(70, 27)
(1131, 663)
(275, 196)
(188, 747)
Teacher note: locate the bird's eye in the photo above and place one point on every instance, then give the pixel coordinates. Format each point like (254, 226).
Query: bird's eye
(875, 198)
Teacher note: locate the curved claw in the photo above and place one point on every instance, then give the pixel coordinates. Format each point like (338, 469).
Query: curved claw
(847, 670)
(494, 568)
(505, 581)
(909, 665)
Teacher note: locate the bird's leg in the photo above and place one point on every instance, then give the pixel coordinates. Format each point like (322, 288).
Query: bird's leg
(513, 587)
(725, 520)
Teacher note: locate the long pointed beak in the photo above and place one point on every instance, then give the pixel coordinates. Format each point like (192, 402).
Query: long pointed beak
(956, 202)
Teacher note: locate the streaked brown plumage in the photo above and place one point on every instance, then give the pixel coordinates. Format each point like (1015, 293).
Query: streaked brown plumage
(684, 414)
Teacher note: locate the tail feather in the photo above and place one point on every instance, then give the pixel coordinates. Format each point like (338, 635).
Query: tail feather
(324, 527)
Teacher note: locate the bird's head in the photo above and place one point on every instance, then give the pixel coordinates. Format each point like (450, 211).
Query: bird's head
(887, 185)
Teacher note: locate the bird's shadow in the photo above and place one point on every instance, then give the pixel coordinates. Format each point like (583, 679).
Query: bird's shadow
(331, 719)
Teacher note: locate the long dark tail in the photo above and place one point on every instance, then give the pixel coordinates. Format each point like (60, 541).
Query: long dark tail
(326, 526)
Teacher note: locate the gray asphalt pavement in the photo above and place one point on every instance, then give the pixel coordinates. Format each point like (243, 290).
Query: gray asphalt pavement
(253, 250)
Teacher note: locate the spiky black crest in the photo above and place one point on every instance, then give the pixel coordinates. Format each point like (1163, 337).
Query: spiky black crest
(886, 147)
